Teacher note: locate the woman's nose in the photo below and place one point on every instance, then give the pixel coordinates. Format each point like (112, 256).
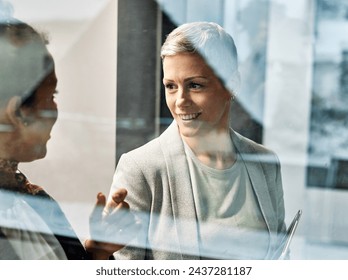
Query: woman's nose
(183, 98)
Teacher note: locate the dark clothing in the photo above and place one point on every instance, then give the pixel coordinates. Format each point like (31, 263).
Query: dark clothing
(14, 184)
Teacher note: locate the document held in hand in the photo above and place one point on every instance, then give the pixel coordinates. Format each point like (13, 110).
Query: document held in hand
(285, 243)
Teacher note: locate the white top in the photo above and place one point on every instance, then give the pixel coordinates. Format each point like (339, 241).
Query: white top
(24, 227)
(231, 225)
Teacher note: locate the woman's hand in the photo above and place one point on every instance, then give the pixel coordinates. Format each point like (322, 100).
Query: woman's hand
(112, 225)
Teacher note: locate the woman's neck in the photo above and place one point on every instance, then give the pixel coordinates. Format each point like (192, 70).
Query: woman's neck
(214, 149)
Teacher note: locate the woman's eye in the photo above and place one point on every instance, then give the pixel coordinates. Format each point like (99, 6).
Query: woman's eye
(169, 86)
(195, 86)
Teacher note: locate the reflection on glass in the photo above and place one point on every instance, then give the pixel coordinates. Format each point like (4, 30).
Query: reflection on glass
(328, 146)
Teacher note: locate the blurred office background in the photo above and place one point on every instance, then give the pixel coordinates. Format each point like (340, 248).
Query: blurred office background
(293, 99)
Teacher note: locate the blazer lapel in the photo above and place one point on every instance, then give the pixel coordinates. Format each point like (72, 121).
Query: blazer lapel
(252, 161)
(184, 213)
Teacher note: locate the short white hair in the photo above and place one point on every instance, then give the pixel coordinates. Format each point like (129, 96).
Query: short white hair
(213, 43)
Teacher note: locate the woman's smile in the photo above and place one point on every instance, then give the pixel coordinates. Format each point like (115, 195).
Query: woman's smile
(189, 117)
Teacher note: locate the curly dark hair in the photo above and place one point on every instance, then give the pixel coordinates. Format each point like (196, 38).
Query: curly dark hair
(21, 35)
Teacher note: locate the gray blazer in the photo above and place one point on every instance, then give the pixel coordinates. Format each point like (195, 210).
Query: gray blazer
(157, 178)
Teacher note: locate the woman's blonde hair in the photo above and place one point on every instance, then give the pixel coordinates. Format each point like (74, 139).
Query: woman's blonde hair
(213, 43)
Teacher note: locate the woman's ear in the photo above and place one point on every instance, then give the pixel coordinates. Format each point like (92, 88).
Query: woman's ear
(13, 111)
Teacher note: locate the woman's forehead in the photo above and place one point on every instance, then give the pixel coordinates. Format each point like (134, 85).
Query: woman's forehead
(186, 63)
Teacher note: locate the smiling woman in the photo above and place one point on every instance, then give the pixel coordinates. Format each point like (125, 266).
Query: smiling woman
(202, 190)
(191, 85)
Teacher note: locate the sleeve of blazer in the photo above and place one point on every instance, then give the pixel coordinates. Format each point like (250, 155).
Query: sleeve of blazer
(129, 175)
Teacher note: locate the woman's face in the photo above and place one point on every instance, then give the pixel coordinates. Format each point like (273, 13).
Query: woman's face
(38, 119)
(196, 98)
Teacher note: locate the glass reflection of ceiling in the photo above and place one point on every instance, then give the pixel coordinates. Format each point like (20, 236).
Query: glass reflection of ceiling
(65, 22)
(44, 10)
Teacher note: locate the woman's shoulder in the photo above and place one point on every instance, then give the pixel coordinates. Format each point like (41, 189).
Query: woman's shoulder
(252, 150)
(150, 148)
(155, 149)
